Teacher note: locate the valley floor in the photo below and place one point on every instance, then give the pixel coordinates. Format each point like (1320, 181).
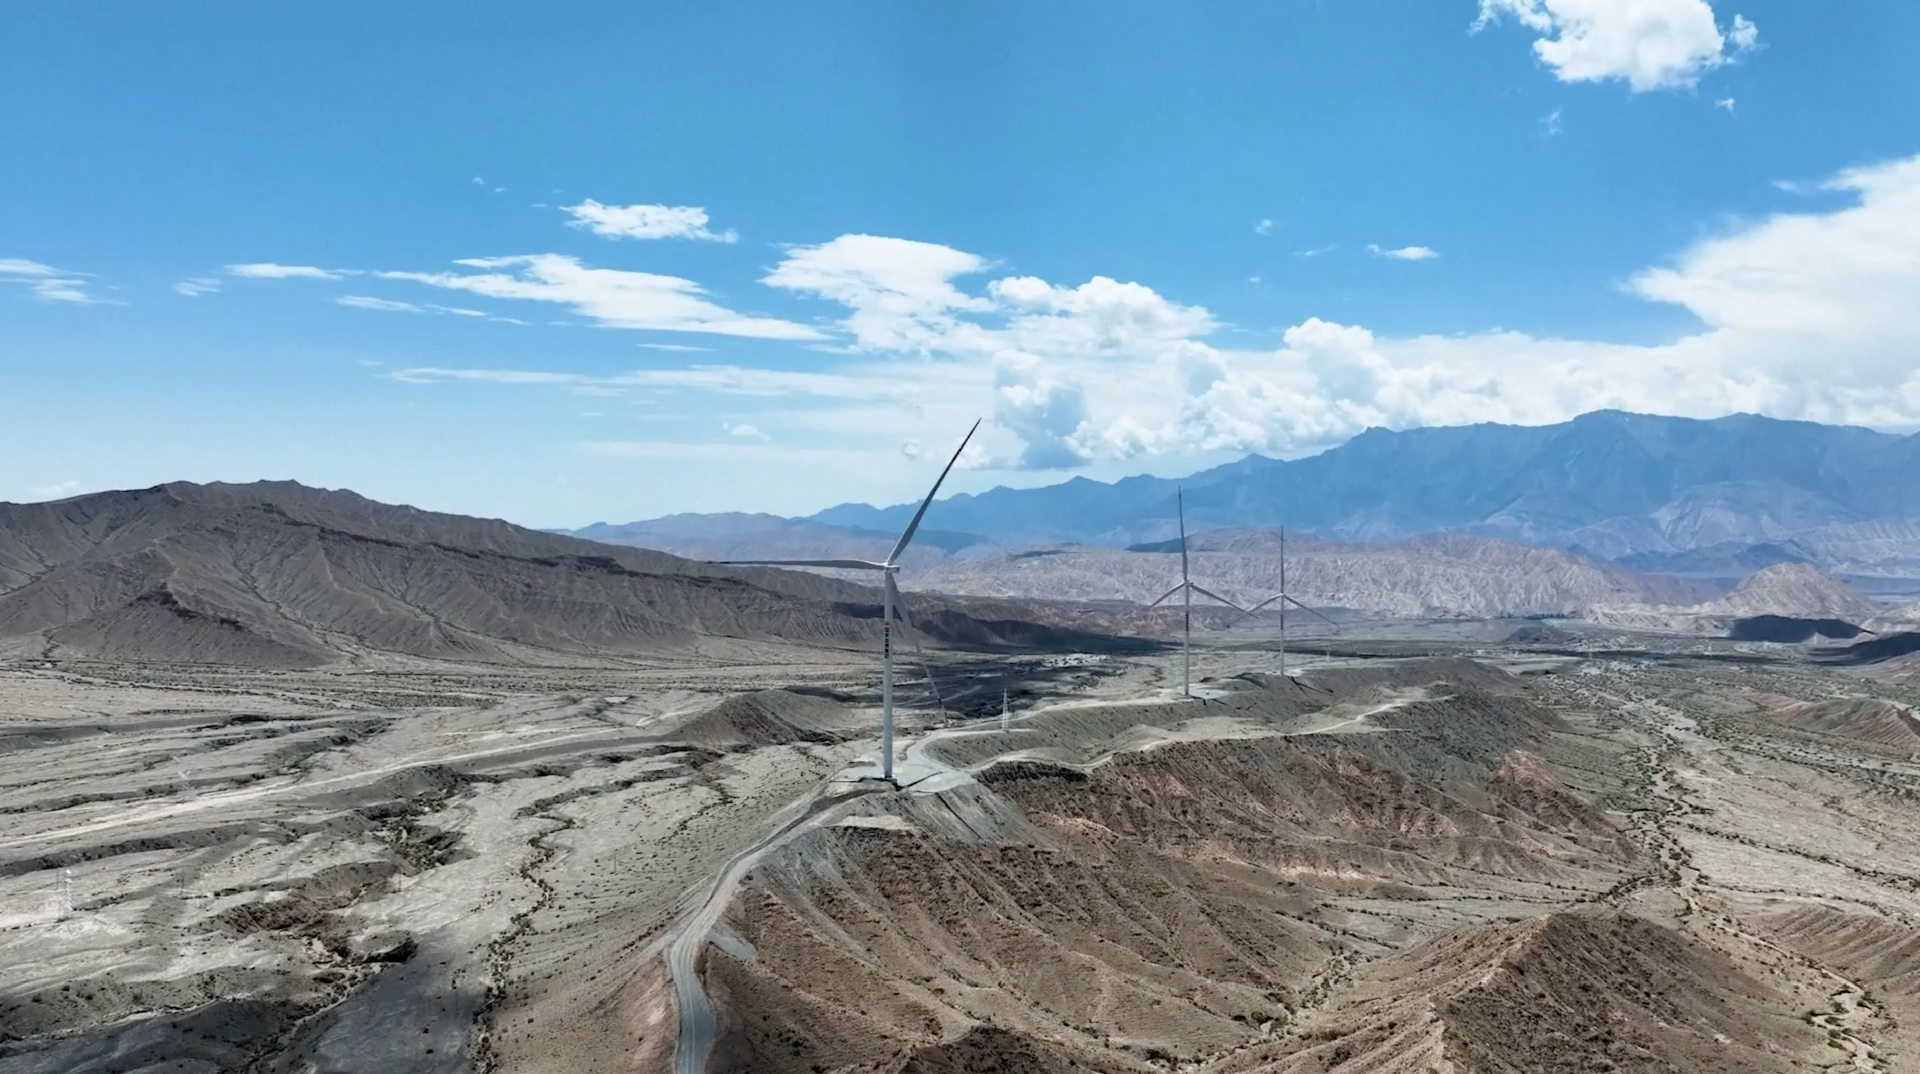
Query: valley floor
(1399, 860)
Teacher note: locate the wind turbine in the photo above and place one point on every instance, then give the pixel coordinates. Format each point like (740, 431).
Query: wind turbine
(889, 601)
(1187, 588)
(1286, 598)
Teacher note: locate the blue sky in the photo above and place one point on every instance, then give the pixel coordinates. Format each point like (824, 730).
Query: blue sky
(613, 261)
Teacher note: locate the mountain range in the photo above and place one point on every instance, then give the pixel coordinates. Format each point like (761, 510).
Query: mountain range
(1710, 498)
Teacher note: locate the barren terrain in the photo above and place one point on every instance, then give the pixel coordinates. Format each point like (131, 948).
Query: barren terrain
(1654, 855)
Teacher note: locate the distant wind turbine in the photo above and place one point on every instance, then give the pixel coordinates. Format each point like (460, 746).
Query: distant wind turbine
(1285, 599)
(1187, 588)
(889, 602)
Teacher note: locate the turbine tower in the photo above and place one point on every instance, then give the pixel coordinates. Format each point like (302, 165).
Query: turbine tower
(889, 602)
(1187, 588)
(1285, 599)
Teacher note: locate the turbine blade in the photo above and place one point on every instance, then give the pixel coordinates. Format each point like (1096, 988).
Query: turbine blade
(900, 606)
(906, 535)
(1264, 603)
(842, 564)
(1180, 504)
(1311, 611)
(1219, 598)
(1168, 593)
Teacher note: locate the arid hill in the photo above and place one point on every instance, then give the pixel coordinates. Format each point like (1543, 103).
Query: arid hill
(1786, 590)
(276, 574)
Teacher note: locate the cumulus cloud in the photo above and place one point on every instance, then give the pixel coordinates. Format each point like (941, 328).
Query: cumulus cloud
(1651, 44)
(45, 282)
(1046, 415)
(646, 221)
(613, 298)
(1404, 253)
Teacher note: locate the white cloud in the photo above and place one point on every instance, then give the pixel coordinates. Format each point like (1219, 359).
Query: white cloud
(21, 267)
(363, 302)
(59, 490)
(1651, 44)
(1743, 34)
(1048, 417)
(199, 285)
(723, 380)
(900, 293)
(266, 270)
(747, 432)
(1551, 122)
(675, 347)
(1801, 315)
(1101, 316)
(646, 221)
(613, 298)
(1264, 227)
(47, 283)
(732, 452)
(1404, 253)
(1726, 103)
(910, 448)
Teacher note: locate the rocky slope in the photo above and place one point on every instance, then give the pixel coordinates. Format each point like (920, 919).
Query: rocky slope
(276, 574)
(1793, 590)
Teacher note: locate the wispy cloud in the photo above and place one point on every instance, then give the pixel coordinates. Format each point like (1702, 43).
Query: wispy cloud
(267, 270)
(734, 451)
(746, 431)
(724, 380)
(365, 302)
(47, 283)
(59, 490)
(1264, 227)
(612, 298)
(646, 221)
(199, 285)
(1404, 253)
(1726, 103)
(899, 292)
(675, 347)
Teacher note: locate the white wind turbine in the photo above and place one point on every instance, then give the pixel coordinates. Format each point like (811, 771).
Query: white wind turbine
(1187, 588)
(1285, 599)
(889, 602)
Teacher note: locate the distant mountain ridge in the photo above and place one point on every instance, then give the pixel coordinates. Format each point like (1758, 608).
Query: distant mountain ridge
(1718, 497)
